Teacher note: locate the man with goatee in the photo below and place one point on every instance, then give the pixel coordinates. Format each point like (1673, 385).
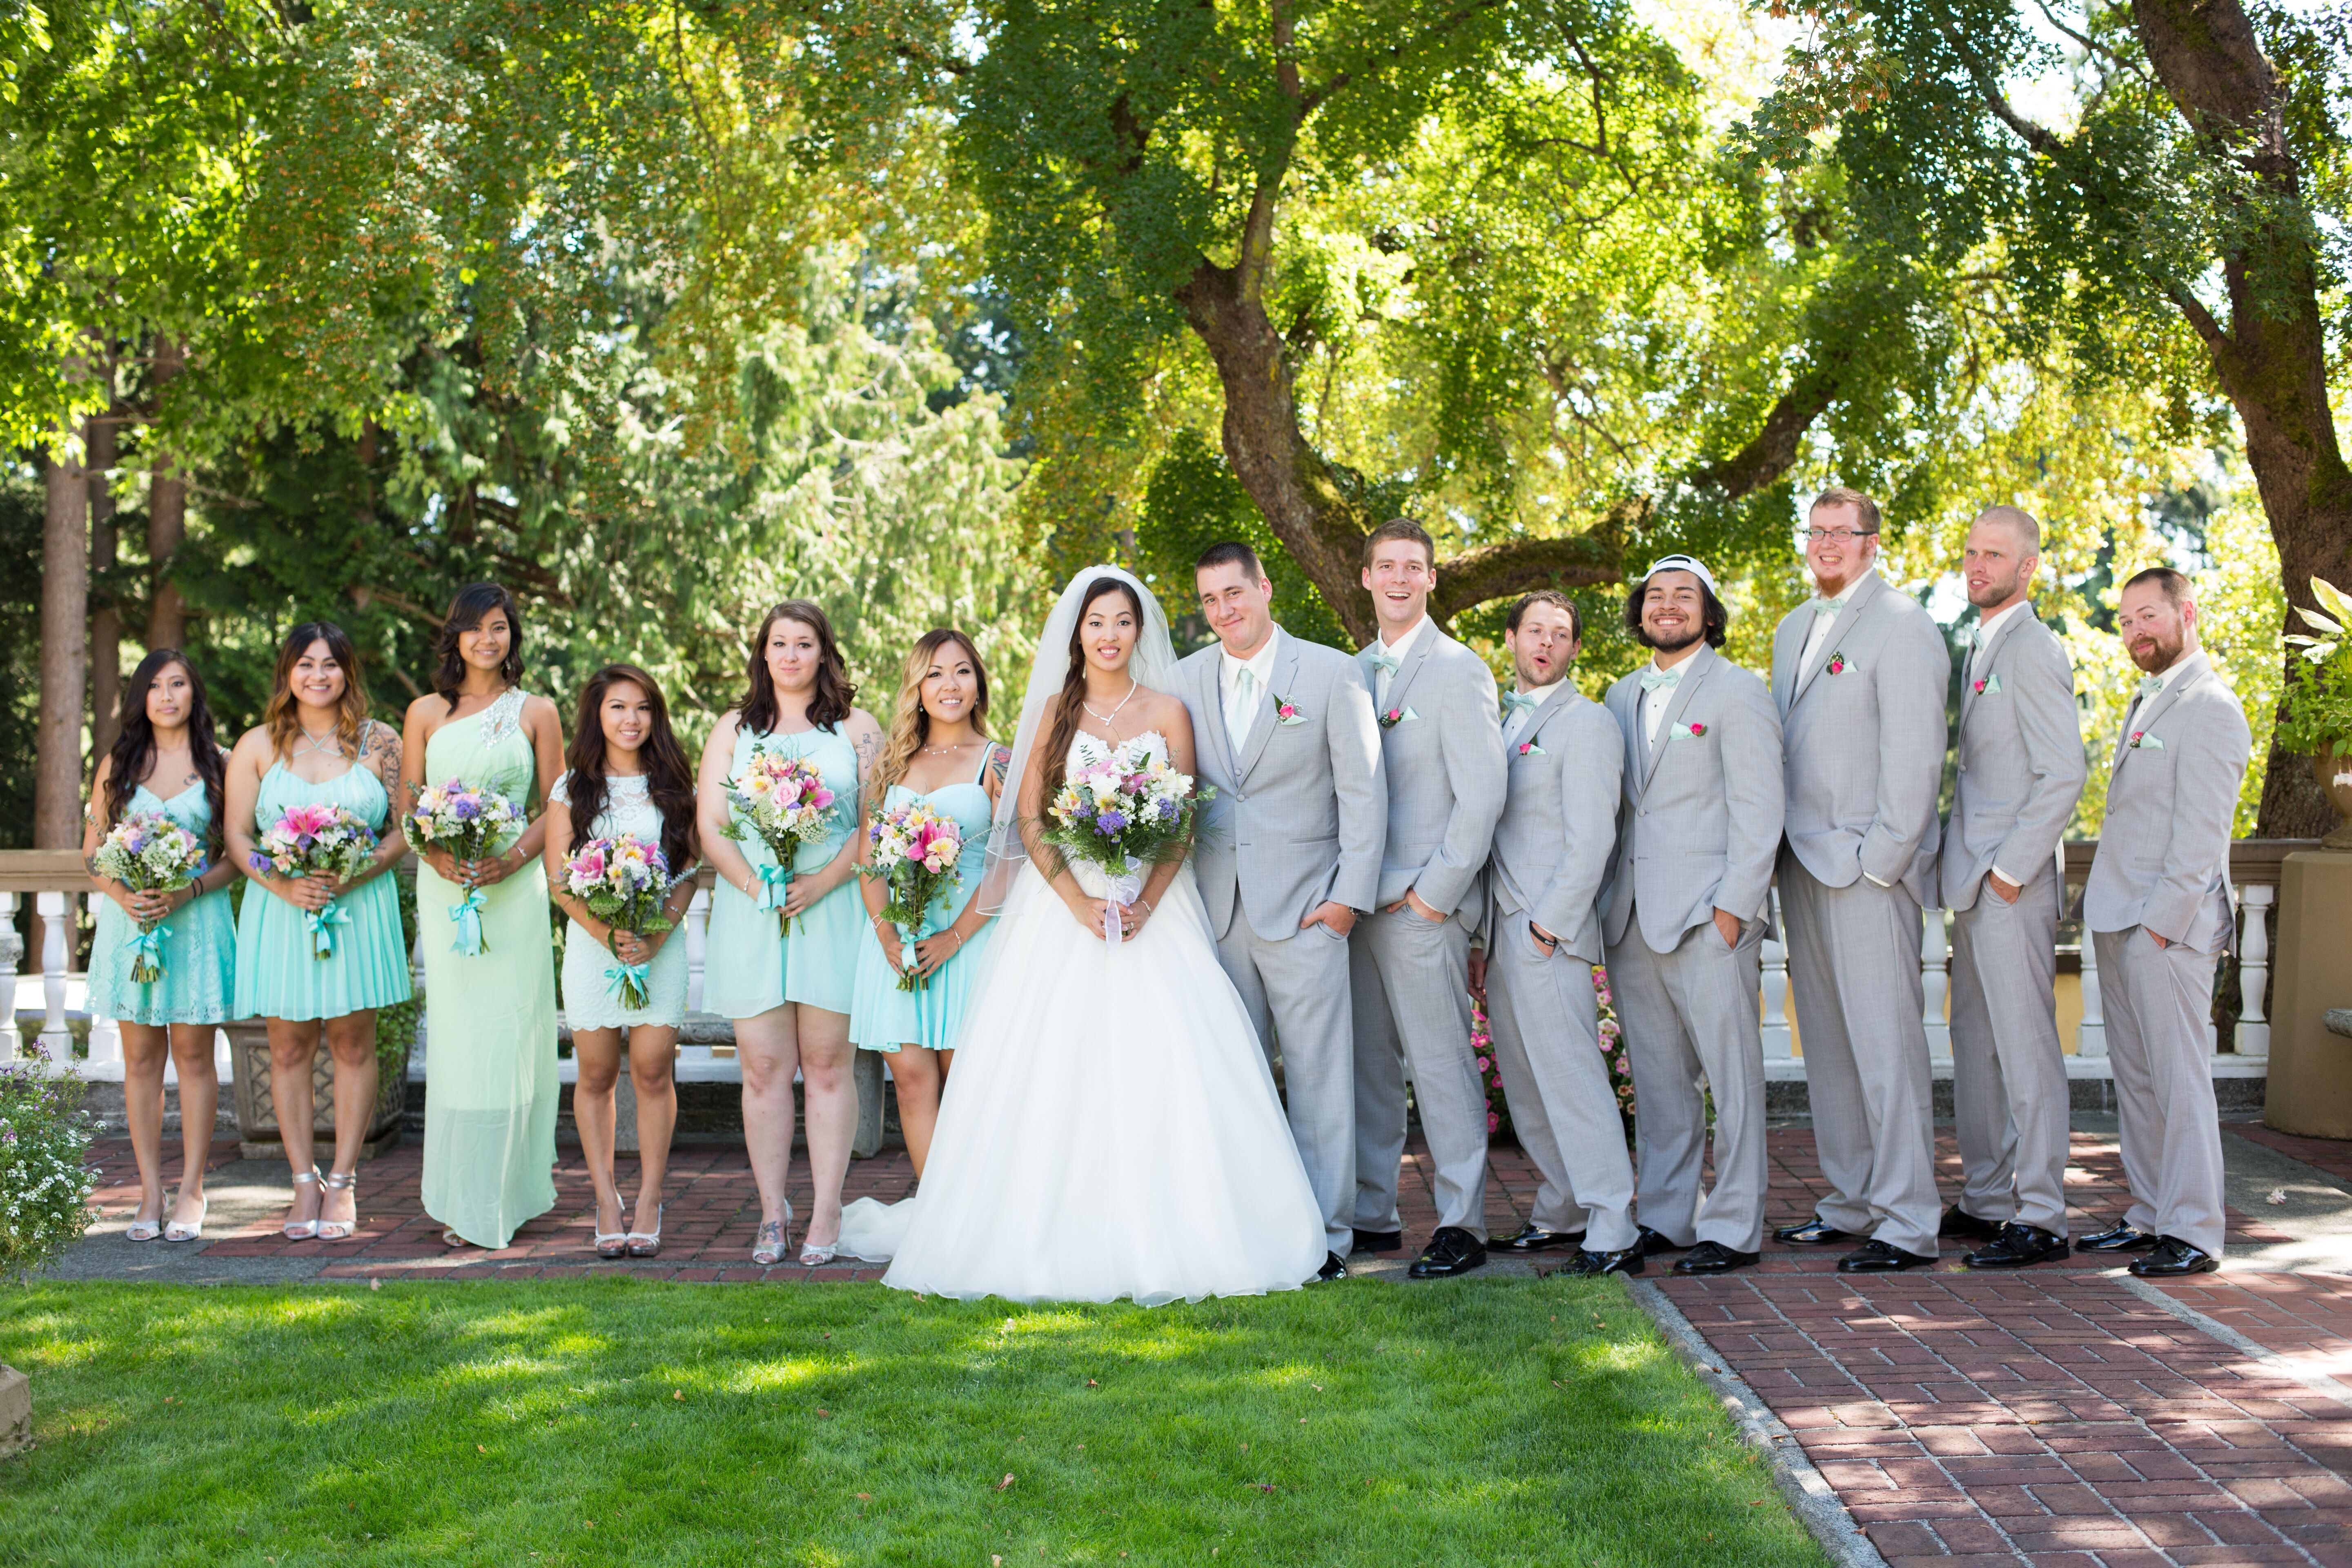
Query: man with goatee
(2158, 908)
(2021, 771)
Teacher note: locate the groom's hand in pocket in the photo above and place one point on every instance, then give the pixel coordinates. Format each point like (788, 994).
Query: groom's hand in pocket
(1340, 918)
(1478, 974)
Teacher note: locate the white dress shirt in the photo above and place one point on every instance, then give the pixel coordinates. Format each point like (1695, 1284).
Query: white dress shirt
(1520, 715)
(1397, 650)
(1655, 703)
(1240, 697)
(1817, 639)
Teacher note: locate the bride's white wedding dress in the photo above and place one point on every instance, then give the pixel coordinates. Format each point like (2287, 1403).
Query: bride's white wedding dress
(1110, 1129)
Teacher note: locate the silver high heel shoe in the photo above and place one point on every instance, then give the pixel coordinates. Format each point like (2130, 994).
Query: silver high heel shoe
(306, 1229)
(644, 1244)
(768, 1247)
(340, 1229)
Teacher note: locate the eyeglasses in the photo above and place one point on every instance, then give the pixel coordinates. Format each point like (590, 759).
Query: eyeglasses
(1839, 535)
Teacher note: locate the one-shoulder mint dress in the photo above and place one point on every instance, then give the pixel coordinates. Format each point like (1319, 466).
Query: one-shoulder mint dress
(279, 973)
(750, 966)
(490, 1020)
(883, 1017)
(198, 984)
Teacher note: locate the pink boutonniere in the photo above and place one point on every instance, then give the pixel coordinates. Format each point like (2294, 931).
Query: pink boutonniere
(2142, 738)
(1837, 664)
(1530, 748)
(1698, 729)
(1286, 711)
(1396, 716)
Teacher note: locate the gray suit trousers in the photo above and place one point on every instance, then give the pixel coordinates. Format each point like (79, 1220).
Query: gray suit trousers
(2009, 1075)
(1411, 991)
(1853, 971)
(1547, 1030)
(1691, 1014)
(2158, 1002)
(1296, 993)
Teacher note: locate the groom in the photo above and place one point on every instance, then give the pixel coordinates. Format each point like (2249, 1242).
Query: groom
(1289, 851)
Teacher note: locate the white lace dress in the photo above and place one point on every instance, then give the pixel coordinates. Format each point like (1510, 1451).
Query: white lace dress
(591, 992)
(1110, 1129)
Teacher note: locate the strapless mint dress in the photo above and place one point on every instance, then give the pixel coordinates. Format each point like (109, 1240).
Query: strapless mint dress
(750, 966)
(883, 1017)
(198, 984)
(278, 976)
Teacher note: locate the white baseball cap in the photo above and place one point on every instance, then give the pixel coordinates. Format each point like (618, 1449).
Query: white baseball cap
(1690, 564)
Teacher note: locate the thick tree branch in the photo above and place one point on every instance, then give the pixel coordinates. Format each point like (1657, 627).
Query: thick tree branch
(1515, 565)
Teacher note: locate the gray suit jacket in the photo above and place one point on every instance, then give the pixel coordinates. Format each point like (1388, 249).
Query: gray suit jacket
(1701, 823)
(2021, 767)
(2163, 849)
(1445, 772)
(1299, 814)
(1865, 744)
(1559, 827)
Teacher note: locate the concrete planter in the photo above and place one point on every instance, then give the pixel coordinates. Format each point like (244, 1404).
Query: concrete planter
(16, 1412)
(257, 1117)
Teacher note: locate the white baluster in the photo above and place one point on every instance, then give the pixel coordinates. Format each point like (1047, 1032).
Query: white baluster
(1935, 983)
(424, 1013)
(2254, 971)
(698, 945)
(2091, 1037)
(105, 1034)
(55, 1039)
(12, 954)
(1778, 1041)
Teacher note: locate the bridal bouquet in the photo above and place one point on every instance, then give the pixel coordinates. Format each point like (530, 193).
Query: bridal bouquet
(784, 801)
(622, 881)
(317, 840)
(150, 853)
(1123, 813)
(914, 849)
(466, 821)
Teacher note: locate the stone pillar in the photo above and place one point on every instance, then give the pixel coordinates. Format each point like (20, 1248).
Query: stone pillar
(1935, 984)
(2091, 1034)
(1778, 1040)
(2254, 971)
(2310, 1087)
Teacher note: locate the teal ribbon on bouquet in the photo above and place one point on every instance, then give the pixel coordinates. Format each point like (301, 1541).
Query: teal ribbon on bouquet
(468, 913)
(909, 978)
(321, 922)
(629, 981)
(147, 950)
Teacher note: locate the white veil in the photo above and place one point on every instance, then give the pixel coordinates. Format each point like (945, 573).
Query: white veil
(1153, 664)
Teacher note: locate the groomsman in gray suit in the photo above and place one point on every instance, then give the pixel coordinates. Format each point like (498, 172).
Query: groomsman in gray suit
(1410, 959)
(1859, 674)
(2158, 907)
(1700, 824)
(2021, 771)
(1551, 854)
(1289, 852)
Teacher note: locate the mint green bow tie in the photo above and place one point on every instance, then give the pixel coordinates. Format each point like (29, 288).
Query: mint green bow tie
(1386, 663)
(2150, 685)
(1656, 679)
(1826, 606)
(1520, 702)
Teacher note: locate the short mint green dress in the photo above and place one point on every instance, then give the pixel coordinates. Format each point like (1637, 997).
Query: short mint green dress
(750, 967)
(883, 1017)
(278, 975)
(198, 984)
(490, 1020)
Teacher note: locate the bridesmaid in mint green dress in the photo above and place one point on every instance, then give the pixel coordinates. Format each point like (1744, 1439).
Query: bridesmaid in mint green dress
(489, 1037)
(938, 752)
(317, 746)
(165, 762)
(790, 995)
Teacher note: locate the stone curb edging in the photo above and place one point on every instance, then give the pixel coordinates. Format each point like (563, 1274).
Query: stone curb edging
(1809, 1493)
(2284, 1365)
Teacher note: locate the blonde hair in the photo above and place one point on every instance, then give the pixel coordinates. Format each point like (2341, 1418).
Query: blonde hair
(910, 726)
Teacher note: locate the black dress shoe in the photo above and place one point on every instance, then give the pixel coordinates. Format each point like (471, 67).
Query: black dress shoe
(1334, 1268)
(2019, 1246)
(2172, 1259)
(2119, 1237)
(1814, 1232)
(1450, 1252)
(1533, 1238)
(1713, 1258)
(1876, 1256)
(1627, 1260)
(1653, 1243)
(1961, 1225)
(1380, 1241)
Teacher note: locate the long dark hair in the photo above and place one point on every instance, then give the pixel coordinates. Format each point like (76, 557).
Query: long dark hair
(829, 705)
(468, 610)
(1064, 726)
(350, 713)
(135, 743)
(667, 778)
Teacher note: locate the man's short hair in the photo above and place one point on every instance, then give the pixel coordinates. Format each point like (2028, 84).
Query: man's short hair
(1553, 597)
(2175, 586)
(1231, 553)
(1713, 620)
(2028, 528)
(1866, 510)
(1400, 527)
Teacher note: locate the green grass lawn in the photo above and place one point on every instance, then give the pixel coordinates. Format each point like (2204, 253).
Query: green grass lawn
(1480, 1423)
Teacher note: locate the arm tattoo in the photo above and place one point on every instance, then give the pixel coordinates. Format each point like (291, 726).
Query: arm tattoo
(999, 760)
(870, 747)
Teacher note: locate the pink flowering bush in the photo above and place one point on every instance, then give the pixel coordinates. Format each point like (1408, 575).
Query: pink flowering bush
(1612, 1049)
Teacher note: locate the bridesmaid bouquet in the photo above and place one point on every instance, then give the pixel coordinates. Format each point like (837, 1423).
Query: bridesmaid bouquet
(466, 821)
(915, 850)
(150, 853)
(1121, 814)
(784, 801)
(318, 841)
(622, 881)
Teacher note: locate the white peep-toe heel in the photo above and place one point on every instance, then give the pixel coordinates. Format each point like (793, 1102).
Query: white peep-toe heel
(647, 1243)
(340, 1229)
(188, 1230)
(303, 1230)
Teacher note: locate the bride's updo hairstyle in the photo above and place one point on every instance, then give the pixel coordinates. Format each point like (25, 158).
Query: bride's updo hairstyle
(829, 704)
(910, 726)
(1064, 727)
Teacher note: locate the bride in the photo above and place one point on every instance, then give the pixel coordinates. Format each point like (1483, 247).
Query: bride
(1110, 1129)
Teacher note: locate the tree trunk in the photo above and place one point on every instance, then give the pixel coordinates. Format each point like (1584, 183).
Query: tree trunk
(105, 613)
(167, 526)
(65, 611)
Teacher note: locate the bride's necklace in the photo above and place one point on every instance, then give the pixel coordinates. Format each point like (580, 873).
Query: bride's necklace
(1104, 719)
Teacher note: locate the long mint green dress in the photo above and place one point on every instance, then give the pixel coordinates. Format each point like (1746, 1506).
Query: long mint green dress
(750, 966)
(883, 1017)
(198, 984)
(490, 1020)
(278, 975)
